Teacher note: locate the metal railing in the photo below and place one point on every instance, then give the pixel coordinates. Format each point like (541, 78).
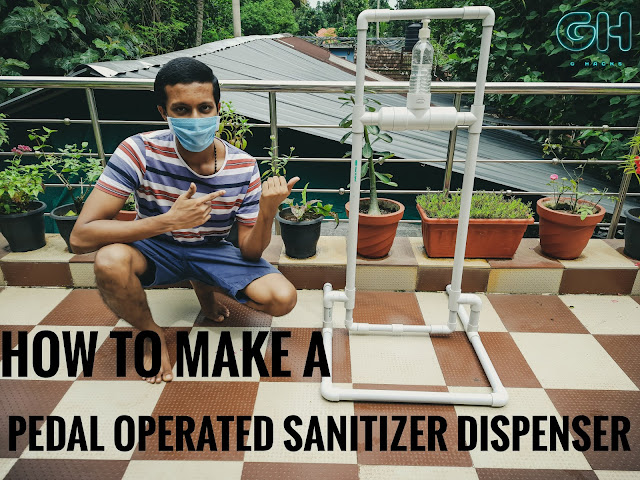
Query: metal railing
(273, 87)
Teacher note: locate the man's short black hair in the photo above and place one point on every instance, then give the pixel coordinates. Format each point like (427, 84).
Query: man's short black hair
(184, 70)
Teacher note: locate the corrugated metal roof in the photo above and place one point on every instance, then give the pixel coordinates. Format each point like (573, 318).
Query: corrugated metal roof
(268, 58)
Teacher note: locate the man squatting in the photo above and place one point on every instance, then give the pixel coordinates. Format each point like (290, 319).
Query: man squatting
(189, 188)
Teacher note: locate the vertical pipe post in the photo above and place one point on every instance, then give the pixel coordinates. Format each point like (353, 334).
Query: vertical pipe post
(622, 191)
(235, 9)
(451, 148)
(95, 123)
(470, 165)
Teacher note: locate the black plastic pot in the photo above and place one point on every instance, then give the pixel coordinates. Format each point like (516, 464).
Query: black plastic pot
(65, 224)
(300, 238)
(25, 231)
(632, 233)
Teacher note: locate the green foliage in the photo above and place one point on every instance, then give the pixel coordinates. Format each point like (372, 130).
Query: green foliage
(483, 205)
(631, 163)
(368, 169)
(70, 165)
(19, 185)
(262, 17)
(4, 136)
(310, 209)
(276, 164)
(233, 126)
(130, 204)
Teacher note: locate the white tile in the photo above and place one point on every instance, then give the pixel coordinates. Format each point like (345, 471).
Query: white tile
(605, 314)
(635, 290)
(213, 336)
(435, 311)
(386, 278)
(106, 400)
(62, 374)
(525, 280)
(404, 472)
(572, 361)
(83, 274)
(527, 402)
(172, 469)
(278, 400)
(598, 254)
(171, 307)
(55, 250)
(5, 465)
(309, 312)
(28, 306)
(616, 475)
(394, 360)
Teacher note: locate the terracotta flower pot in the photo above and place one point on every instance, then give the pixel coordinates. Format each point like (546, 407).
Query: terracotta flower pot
(486, 237)
(376, 232)
(126, 215)
(563, 235)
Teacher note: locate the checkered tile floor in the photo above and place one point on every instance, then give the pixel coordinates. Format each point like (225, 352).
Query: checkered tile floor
(556, 355)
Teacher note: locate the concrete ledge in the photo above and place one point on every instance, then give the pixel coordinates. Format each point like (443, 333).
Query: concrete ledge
(601, 269)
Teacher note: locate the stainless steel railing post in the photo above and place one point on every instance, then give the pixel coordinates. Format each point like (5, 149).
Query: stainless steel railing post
(95, 122)
(273, 123)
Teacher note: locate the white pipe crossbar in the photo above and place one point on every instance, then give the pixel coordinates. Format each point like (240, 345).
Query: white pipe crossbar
(395, 119)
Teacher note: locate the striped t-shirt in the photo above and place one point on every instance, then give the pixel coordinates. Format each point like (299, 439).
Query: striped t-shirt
(150, 165)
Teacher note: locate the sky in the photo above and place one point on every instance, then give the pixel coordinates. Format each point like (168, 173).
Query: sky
(313, 3)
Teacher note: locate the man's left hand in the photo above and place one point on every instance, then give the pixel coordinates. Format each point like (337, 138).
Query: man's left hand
(274, 191)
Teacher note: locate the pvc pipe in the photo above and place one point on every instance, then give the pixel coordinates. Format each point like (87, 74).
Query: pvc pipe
(468, 13)
(399, 329)
(433, 118)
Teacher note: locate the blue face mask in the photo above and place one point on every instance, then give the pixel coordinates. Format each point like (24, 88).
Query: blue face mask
(195, 134)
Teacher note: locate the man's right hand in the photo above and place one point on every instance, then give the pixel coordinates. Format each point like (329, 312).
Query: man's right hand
(187, 212)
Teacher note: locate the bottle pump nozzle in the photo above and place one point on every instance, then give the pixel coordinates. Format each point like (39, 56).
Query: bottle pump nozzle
(425, 31)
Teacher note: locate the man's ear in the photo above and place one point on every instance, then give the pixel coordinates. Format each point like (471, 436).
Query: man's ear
(161, 110)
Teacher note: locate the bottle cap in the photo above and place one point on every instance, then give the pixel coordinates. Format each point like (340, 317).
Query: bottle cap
(425, 31)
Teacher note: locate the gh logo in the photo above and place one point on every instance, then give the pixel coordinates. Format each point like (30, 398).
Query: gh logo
(580, 32)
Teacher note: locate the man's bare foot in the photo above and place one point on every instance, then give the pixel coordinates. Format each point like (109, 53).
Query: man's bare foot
(222, 313)
(165, 364)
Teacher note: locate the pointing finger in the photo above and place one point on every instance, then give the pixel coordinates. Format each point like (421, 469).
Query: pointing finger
(210, 196)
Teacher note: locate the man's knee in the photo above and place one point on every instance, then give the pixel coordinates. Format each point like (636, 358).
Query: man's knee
(114, 264)
(284, 299)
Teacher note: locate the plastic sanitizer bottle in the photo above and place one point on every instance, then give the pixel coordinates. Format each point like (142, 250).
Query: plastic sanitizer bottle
(419, 97)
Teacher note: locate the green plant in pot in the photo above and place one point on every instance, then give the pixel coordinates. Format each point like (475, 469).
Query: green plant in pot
(568, 219)
(70, 165)
(128, 211)
(496, 224)
(631, 166)
(300, 225)
(378, 217)
(21, 213)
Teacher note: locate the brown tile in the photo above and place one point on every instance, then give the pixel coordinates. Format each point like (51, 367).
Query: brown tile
(274, 250)
(401, 254)
(314, 277)
(512, 368)
(84, 258)
(24, 398)
(239, 315)
(461, 367)
(104, 366)
(65, 469)
(296, 471)
(44, 274)
(625, 350)
(387, 308)
(603, 403)
(82, 307)
(14, 329)
(533, 474)
(528, 255)
(451, 457)
(297, 346)
(637, 299)
(535, 313)
(603, 281)
(436, 279)
(198, 400)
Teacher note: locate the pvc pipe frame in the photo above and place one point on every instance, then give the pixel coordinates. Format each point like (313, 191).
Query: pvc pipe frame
(402, 118)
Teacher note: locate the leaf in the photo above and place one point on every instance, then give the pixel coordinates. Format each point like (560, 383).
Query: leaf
(345, 136)
(366, 151)
(590, 149)
(386, 137)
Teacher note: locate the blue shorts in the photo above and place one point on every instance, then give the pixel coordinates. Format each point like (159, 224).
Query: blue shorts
(219, 264)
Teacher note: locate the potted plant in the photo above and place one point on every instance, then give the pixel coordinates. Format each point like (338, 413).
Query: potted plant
(69, 165)
(128, 211)
(300, 225)
(21, 213)
(379, 217)
(496, 225)
(632, 226)
(567, 220)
